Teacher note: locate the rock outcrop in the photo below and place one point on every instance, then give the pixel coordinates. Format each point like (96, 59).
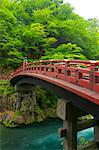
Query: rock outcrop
(26, 106)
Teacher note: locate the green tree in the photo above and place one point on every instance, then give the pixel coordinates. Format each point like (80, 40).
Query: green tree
(65, 51)
(45, 29)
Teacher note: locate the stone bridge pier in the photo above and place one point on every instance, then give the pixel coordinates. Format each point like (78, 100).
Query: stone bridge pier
(72, 123)
(25, 97)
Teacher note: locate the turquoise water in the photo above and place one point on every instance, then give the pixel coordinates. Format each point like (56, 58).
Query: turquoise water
(39, 136)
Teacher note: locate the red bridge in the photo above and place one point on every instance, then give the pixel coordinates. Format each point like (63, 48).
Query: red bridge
(77, 77)
(80, 79)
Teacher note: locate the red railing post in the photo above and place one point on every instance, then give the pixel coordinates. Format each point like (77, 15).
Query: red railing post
(96, 77)
(24, 63)
(91, 79)
(66, 71)
(23, 66)
(44, 64)
(56, 69)
(50, 63)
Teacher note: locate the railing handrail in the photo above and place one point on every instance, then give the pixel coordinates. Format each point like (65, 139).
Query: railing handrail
(80, 72)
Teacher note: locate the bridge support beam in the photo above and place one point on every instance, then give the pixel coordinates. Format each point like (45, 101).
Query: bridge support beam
(96, 134)
(66, 111)
(70, 140)
(72, 124)
(23, 93)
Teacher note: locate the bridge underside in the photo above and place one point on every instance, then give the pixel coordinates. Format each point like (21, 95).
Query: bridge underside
(78, 101)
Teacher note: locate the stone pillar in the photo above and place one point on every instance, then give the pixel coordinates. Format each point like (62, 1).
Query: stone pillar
(23, 92)
(70, 141)
(96, 134)
(66, 111)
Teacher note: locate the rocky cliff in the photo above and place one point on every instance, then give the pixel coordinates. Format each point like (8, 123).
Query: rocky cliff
(15, 110)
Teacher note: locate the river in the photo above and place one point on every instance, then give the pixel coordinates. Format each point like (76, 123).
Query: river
(39, 136)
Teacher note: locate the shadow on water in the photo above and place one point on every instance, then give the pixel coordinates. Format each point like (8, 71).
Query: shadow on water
(38, 136)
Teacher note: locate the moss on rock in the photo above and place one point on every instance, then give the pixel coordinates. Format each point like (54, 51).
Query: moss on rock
(26, 112)
(50, 112)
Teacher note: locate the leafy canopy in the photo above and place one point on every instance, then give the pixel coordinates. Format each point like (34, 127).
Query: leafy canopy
(45, 29)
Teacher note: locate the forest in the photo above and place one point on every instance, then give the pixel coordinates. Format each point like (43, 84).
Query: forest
(45, 29)
(41, 30)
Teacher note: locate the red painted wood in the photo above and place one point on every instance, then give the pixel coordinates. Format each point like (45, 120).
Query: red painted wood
(70, 71)
(81, 91)
(80, 73)
(96, 87)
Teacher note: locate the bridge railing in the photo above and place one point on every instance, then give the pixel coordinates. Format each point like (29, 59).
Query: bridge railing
(82, 73)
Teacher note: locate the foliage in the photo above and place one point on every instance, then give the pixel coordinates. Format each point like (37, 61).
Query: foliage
(18, 113)
(83, 141)
(5, 88)
(45, 29)
(45, 99)
(65, 51)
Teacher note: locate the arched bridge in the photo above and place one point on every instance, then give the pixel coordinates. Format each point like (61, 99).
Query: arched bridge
(75, 80)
